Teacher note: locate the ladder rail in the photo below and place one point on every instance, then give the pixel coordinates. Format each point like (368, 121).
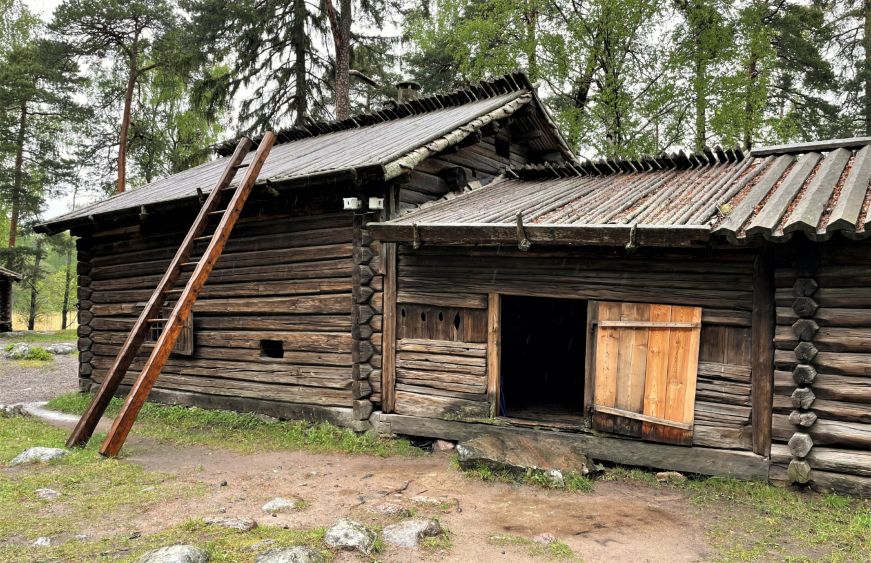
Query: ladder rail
(181, 311)
(84, 429)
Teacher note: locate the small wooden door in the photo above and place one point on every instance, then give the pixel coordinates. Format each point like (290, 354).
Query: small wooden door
(645, 361)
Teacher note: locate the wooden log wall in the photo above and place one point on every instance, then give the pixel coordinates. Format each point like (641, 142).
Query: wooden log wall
(721, 282)
(5, 304)
(451, 171)
(822, 400)
(368, 284)
(283, 277)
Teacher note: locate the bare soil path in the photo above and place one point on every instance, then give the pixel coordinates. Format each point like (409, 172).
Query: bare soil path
(619, 521)
(40, 382)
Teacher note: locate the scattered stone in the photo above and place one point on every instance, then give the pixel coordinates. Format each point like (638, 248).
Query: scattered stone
(544, 539)
(61, 349)
(18, 351)
(82, 537)
(38, 455)
(175, 554)
(350, 535)
(222, 484)
(298, 554)
(670, 476)
(135, 535)
(279, 504)
(47, 494)
(12, 411)
(241, 524)
(390, 509)
(517, 453)
(555, 478)
(442, 446)
(42, 542)
(410, 532)
(261, 545)
(428, 501)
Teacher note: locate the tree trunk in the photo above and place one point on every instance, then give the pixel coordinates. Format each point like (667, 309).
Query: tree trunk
(18, 180)
(125, 118)
(34, 293)
(299, 64)
(65, 308)
(531, 20)
(866, 65)
(701, 102)
(749, 106)
(340, 24)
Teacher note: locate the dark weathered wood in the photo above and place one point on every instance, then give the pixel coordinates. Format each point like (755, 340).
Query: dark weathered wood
(388, 338)
(88, 422)
(762, 351)
(805, 329)
(707, 461)
(799, 148)
(139, 393)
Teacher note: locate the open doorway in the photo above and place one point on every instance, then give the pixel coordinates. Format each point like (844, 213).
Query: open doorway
(542, 359)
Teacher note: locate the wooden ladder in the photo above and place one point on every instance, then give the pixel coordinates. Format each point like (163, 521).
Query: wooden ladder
(201, 269)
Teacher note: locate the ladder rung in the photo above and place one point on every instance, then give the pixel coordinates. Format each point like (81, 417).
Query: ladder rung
(189, 264)
(219, 212)
(206, 237)
(243, 165)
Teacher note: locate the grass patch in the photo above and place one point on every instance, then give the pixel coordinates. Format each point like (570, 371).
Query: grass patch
(68, 335)
(757, 521)
(39, 354)
(94, 491)
(553, 550)
(572, 481)
(242, 432)
(441, 542)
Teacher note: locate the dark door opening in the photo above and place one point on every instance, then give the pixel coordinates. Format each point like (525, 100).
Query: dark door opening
(542, 358)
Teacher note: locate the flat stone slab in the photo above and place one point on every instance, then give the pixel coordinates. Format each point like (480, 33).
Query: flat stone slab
(61, 349)
(38, 455)
(280, 504)
(519, 452)
(410, 532)
(299, 554)
(349, 535)
(241, 524)
(47, 494)
(176, 554)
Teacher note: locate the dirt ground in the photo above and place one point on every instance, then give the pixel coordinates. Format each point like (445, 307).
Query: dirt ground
(25, 385)
(619, 521)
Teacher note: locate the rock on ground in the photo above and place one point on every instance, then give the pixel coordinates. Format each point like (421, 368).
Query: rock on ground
(42, 542)
(18, 351)
(241, 524)
(279, 504)
(442, 446)
(38, 454)
(390, 509)
(11, 411)
(47, 494)
(299, 554)
(60, 349)
(670, 476)
(350, 535)
(517, 453)
(410, 532)
(176, 554)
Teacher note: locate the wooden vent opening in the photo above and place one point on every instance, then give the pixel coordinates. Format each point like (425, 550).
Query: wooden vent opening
(645, 366)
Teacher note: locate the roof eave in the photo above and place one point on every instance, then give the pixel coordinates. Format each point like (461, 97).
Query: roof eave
(473, 234)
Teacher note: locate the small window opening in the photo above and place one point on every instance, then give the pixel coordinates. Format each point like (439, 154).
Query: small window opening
(441, 316)
(542, 365)
(402, 312)
(457, 321)
(423, 317)
(271, 349)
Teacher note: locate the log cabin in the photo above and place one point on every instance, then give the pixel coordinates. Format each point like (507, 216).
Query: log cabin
(289, 323)
(705, 312)
(7, 278)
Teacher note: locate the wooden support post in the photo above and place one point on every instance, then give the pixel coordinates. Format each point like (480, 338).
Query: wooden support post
(762, 351)
(180, 313)
(388, 342)
(494, 350)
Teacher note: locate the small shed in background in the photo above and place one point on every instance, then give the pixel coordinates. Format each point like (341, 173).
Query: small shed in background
(6, 279)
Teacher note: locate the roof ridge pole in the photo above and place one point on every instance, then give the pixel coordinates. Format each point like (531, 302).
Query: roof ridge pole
(523, 242)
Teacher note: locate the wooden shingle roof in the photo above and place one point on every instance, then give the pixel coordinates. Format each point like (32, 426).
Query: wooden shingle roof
(366, 147)
(684, 199)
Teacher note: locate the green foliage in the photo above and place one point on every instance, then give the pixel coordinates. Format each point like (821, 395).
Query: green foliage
(39, 354)
(555, 550)
(242, 432)
(573, 481)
